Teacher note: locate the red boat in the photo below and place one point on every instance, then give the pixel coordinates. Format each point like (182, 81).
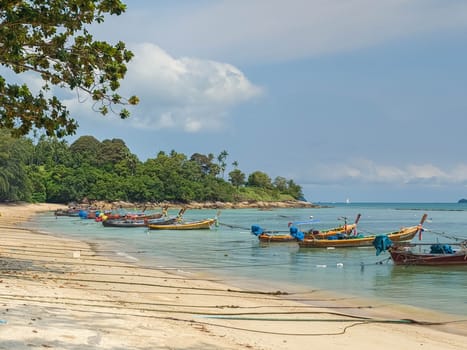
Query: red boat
(404, 256)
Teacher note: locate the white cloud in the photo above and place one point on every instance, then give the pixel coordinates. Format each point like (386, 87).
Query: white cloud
(369, 172)
(184, 93)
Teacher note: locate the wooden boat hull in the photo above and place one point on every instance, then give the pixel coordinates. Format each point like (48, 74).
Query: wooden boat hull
(406, 257)
(67, 212)
(138, 222)
(195, 225)
(123, 223)
(276, 238)
(405, 234)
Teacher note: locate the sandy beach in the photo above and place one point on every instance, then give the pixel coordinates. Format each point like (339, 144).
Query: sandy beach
(59, 293)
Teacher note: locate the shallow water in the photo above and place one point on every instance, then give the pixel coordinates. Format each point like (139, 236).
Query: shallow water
(232, 253)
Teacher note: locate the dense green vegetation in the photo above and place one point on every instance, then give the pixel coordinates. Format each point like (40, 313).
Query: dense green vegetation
(51, 170)
(53, 40)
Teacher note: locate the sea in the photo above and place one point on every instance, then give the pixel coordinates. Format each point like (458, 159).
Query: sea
(231, 253)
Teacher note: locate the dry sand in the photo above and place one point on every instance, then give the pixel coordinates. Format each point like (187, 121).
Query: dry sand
(58, 293)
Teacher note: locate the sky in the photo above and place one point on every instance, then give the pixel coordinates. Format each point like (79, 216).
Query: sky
(358, 99)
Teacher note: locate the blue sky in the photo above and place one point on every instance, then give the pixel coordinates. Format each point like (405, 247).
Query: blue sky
(357, 99)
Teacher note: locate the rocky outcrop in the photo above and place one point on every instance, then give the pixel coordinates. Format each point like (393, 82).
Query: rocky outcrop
(249, 204)
(204, 205)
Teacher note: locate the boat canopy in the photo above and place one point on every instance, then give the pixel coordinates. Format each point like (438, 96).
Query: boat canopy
(306, 222)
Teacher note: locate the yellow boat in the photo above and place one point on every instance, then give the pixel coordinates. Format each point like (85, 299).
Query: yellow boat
(404, 234)
(192, 225)
(344, 229)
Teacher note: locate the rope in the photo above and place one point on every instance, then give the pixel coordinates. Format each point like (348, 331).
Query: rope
(128, 302)
(235, 226)
(244, 316)
(100, 281)
(445, 235)
(249, 228)
(362, 319)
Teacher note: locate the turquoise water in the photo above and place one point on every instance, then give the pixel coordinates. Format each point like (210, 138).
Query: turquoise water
(230, 252)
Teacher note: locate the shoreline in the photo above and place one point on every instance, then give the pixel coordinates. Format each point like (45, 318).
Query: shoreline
(54, 297)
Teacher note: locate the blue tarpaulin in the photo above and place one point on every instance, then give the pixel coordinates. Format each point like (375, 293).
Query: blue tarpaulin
(381, 243)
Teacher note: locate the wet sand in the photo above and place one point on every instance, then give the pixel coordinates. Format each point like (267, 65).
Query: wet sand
(60, 293)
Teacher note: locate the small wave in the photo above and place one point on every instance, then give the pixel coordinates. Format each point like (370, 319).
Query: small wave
(128, 256)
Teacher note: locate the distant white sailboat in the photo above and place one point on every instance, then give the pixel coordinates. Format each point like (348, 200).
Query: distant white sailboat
(347, 201)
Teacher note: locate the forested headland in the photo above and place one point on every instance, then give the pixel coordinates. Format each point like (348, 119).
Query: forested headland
(51, 170)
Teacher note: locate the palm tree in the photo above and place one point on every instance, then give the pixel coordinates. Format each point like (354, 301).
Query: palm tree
(221, 159)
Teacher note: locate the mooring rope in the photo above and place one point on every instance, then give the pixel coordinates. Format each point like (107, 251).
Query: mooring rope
(234, 226)
(446, 235)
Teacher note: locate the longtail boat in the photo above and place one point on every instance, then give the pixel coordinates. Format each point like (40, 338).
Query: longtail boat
(273, 236)
(109, 215)
(294, 235)
(190, 225)
(341, 241)
(124, 223)
(439, 255)
(345, 229)
(402, 256)
(138, 222)
(67, 212)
